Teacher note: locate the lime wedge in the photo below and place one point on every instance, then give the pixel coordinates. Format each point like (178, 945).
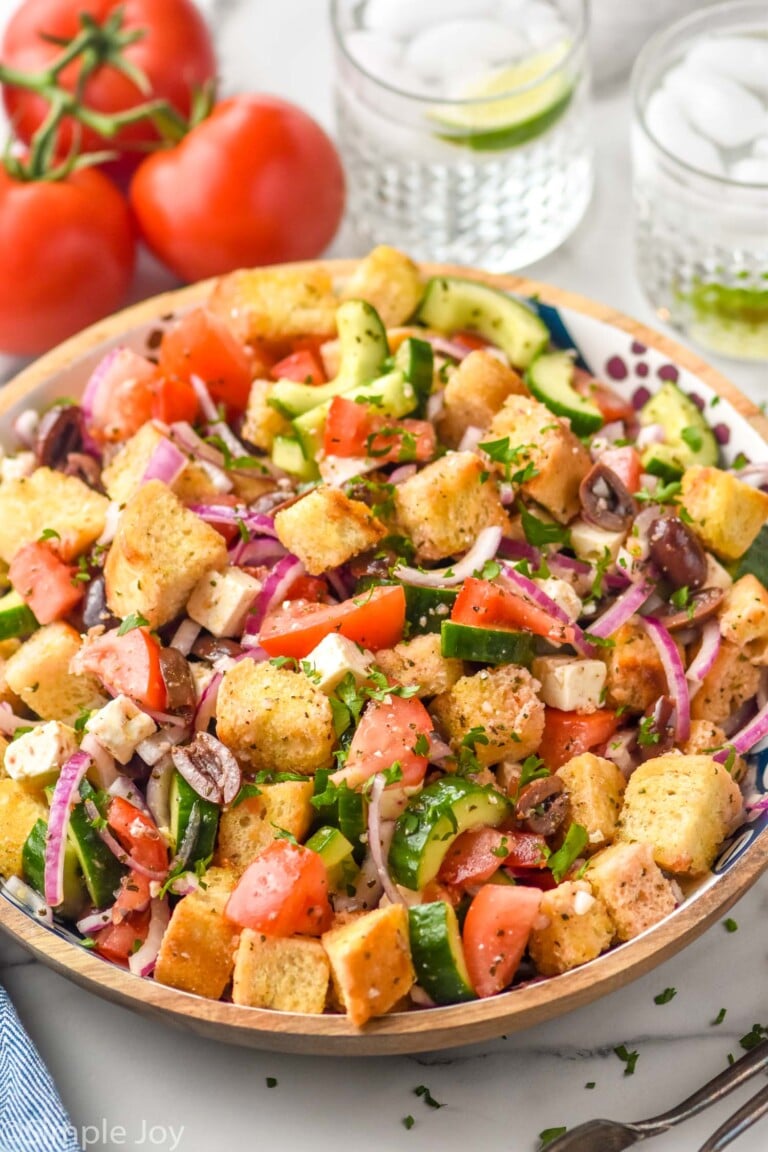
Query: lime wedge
(494, 113)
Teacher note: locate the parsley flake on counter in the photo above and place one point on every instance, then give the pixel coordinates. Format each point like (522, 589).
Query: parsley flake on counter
(427, 1096)
(408, 1122)
(719, 1018)
(550, 1134)
(730, 925)
(271, 1081)
(591, 1084)
(629, 1059)
(752, 1038)
(665, 996)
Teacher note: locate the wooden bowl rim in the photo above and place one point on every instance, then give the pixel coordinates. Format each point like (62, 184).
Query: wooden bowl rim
(413, 1031)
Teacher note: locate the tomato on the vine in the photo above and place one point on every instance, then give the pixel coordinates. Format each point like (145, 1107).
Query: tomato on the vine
(257, 182)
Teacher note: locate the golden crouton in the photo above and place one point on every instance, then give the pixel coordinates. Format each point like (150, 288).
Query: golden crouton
(558, 457)
(636, 676)
(39, 673)
(474, 394)
(197, 953)
(577, 929)
(49, 499)
(708, 737)
(632, 887)
(390, 281)
(730, 682)
(124, 474)
(727, 514)
(503, 702)
(371, 962)
(420, 661)
(275, 719)
(159, 553)
(19, 812)
(683, 806)
(3, 750)
(744, 618)
(7, 695)
(276, 303)
(325, 528)
(262, 422)
(249, 827)
(444, 506)
(595, 787)
(287, 974)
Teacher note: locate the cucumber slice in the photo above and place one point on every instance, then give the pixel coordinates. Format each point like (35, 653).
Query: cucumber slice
(101, 871)
(415, 359)
(433, 820)
(426, 609)
(16, 619)
(336, 853)
(451, 303)
(550, 379)
(288, 454)
(486, 645)
(754, 562)
(352, 820)
(438, 955)
(688, 438)
(33, 871)
(184, 802)
(390, 395)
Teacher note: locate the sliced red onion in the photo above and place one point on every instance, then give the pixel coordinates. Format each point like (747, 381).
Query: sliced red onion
(402, 473)
(650, 434)
(737, 720)
(752, 474)
(185, 636)
(94, 922)
(111, 521)
(420, 998)
(116, 848)
(705, 657)
(207, 406)
(255, 553)
(142, 963)
(30, 899)
(438, 749)
(520, 550)
(674, 673)
(223, 514)
(128, 790)
(95, 381)
(435, 405)
(622, 750)
(335, 579)
(10, 722)
(154, 747)
(368, 889)
(222, 430)
(447, 347)
(104, 768)
(621, 610)
(167, 719)
(183, 434)
(159, 792)
(166, 463)
(376, 836)
(274, 591)
(65, 796)
(337, 470)
(184, 884)
(507, 494)
(497, 354)
(531, 591)
(206, 708)
(747, 737)
(471, 438)
(483, 550)
(25, 427)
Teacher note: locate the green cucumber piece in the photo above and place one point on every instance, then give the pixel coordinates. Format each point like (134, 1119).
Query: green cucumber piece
(688, 438)
(426, 609)
(390, 395)
(102, 873)
(486, 645)
(433, 820)
(754, 562)
(16, 619)
(438, 954)
(550, 379)
(364, 348)
(33, 871)
(336, 853)
(415, 359)
(288, 454)
(184, 801)
(451, 303)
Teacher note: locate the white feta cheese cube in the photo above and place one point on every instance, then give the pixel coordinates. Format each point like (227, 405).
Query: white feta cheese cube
(569, 683)
(120, 727)
(17, 467)
(220, 601)
(202, 674)
(590, 542)
(37, 756)
(334, 657)
(563, 595)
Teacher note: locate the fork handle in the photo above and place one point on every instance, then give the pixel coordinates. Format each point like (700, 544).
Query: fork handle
(739, 1122)
(726, 1081)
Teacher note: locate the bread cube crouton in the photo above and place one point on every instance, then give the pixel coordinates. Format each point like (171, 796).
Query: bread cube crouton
(124, 474)
(159, 553)
(371, 963)
(474, 394)
(632, 887)
(39, 673)
(275, 719)
(708, 737)
(286, 974)
(326, 528)
(220, 601)
(727, 514)
(636, 676)
(595, 788)
(558, 457)
(420, 662)
(120, 726)
(744, 618)
(4, 746)
(390, 281)
(262, 422)
(570, 683)
(49, 499)
(730, 682)
(276, 303)
(683, 807)
(573, 928)
(444, 506)
(20, 810)
(503, 701)
(249, 827)
(197, 953)
(36, 758)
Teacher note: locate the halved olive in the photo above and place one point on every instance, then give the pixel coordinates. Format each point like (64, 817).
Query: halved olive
(542, 806)
(605, 499)
(677, 552)
(700, 607)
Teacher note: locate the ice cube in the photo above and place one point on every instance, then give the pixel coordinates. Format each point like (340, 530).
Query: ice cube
(751, 170)
(669, 127)
(722, 110)
(760, 146)
(405, 18)
(743, 58)
(463, 44)
(373, 51)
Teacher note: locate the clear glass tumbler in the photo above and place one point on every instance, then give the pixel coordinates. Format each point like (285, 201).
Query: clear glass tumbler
(700, 176)
(463, 125)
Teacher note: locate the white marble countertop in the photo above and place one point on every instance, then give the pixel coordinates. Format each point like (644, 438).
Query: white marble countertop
(134, 1083)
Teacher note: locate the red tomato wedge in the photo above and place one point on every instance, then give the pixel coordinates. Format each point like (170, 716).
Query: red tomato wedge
(612, 406)
(526, 850)
(374, 620)
(174, 400)
(487, 605)
(200, 344)
(44, 582)
(388, 733)
(475, 855)
(127, 665)
(284, 891)
(303, 366)
(134, 896)
(471, 340)
(123, 399)
(138, 834)
(353, 429)
(496, 931)
(568, 734)
(117, 942)
(625, 462)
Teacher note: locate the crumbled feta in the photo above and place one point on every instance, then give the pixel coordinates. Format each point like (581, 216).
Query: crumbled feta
(120, 727)
(334, 657)
(202, 674)
(582, 902)
(38, 755)
(563, 595)
(17, 467)
(569, 683)
(220, 601)
(590, 542)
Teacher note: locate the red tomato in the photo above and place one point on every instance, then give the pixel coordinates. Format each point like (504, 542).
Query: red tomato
(471, 340)
(612, 406)
(258, 182)
(568, 734)
(487, 605)
(174, 400)
(117, 942)
(128, 665)
(200, 344)
(175, 54)
(375, 619)
(123, 398)
(347, 427)
(475, 855)
(495, 936)
(138, 834)
(625, 462)
(284, 891)
(388, 733)
(352, 429)
(526, 850)
(134, 896)
(308, 588)
(66, 257)
(303, 366)
(44, 582)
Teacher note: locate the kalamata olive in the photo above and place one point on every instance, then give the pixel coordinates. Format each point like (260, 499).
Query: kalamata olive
(209, 767)
(677, 552)
(605, 499)
(700, 607)
(269, 501)
(655, 734)
(59, 432)
(93, 609)
(214, 647)
(372, 566)
(178, 681)
(85, 468)
(542, 805)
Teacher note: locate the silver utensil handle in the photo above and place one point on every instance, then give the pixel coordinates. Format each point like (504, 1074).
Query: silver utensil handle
(739, 1122)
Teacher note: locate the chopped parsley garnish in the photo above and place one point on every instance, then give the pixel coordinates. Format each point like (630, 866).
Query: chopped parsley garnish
(408, 1122)
(271, 1081)
(284, 834)
(629, 1059)
(692, 437)
(48, 534)
(662, 493)
(752, 1038)
(730, 925)
(468, 763)
(561, 862)
(427, 1096)
(503, 452)
(539, 532)
(83, 719)
(590, 1084)
(421, 747)
(532, 768)
(489, 571)
(134, 620)
(550, 1134)
(601, 568)
(247, 792)
(647, 734)
(719, 1018)
(680, 597)
(665, 996)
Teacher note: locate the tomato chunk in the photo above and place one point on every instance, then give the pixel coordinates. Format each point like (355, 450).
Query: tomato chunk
(303, 366)
(626, 463)
(117, 942)
(390, 732)
(45, 582)
(376, 619)
(496, 931)
(123, 398)
(174, 400)
(568, 734)
(473, 857)
(487, 605)
(612, 406)
(134, 896)
(200, 344)
(138, 834)
(353, 429)
(284, 891)
(127, 665)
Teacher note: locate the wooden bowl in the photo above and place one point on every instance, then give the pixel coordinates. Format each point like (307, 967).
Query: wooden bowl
(61, 372)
